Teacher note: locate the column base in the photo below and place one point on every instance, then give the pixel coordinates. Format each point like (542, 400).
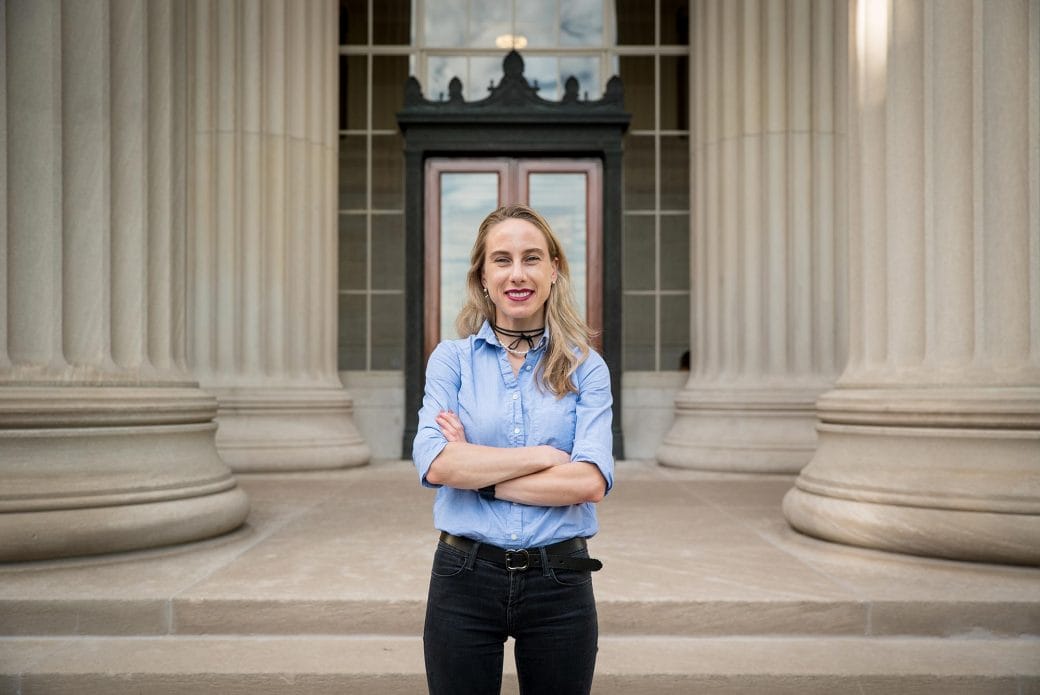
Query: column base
(76, 483)
(288, 429)
(965, 493)
(945, 533)
(54, 533)
(742, 430)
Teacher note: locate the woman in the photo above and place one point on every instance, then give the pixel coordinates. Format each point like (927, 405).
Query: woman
(515, 432)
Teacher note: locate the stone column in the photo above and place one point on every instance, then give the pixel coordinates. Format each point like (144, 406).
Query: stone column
(767, 265)
(930, 444)
(264, 233)
(106, 443)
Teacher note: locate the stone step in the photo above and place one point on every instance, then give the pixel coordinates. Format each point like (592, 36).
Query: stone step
(617, 617)
(394, 665)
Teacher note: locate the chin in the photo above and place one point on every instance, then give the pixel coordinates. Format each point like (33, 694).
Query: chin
(521, 314)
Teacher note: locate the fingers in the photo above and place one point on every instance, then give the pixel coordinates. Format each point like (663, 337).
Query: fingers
(451, 426)
(448, 419)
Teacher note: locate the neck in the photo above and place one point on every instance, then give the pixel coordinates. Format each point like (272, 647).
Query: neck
(508, 330)
(527, 325)
(516, 338)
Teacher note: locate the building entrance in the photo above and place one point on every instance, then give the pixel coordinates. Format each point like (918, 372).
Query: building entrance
(465, 158)
(461, 192)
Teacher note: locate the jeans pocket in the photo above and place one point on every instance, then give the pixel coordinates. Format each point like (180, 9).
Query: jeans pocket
(447, 561)
(572, 577)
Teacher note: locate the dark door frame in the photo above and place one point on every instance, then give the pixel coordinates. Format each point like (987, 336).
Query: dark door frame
(513, 121)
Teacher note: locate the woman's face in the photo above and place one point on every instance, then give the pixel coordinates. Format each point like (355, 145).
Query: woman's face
(518, 273)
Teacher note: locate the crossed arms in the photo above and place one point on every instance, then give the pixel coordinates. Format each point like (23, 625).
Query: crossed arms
(535, 475)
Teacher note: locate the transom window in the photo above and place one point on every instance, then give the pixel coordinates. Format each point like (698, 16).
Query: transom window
(558, 38)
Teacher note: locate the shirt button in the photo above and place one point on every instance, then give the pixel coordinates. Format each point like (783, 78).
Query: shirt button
(513, 536)
(515, 396)
(516, 430)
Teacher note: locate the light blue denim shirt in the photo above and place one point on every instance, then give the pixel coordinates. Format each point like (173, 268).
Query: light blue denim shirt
(473, 378)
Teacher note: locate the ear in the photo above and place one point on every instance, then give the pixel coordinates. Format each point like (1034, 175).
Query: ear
(556, 267)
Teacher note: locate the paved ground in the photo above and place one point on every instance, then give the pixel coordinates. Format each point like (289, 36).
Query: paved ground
(684, 552)
(702, 565)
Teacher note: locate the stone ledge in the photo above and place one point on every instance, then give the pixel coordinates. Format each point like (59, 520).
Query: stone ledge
(647, 665)
(617, 617)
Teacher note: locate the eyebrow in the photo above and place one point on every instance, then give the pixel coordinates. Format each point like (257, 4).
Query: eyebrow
(507, 253)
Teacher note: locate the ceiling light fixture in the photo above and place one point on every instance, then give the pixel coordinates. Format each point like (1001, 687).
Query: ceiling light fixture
(511, 41)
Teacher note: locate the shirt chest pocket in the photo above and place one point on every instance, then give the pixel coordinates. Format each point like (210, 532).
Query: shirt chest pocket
(554, 420)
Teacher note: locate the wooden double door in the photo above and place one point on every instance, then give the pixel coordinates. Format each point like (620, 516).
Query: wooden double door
(460, 192)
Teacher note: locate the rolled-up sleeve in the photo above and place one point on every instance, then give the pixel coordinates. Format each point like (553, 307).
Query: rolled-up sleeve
(593, 438)
(443, 379)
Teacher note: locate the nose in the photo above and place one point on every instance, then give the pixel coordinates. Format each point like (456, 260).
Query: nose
(519, 272)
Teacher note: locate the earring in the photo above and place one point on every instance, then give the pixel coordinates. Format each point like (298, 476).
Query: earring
(486, 295)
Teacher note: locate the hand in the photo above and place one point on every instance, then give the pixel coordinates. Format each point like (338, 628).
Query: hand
(451, 426)
(554, 456)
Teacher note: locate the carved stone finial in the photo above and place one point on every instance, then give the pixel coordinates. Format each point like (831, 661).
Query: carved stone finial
(570, 90)
(412, 92)
(615, 92)
(513, 65)
(455, 91)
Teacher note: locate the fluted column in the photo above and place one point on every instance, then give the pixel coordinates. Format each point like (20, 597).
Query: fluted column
(767, 266)
(263, 233)
(930, 444)
(106, 443)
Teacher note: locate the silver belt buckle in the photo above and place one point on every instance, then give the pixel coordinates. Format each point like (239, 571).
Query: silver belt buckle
(525, 558)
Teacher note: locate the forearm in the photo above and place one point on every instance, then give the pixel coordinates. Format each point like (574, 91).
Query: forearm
(472, 466)
(559, 486)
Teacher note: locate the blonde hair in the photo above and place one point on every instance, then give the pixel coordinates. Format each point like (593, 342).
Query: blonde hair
(569, 334)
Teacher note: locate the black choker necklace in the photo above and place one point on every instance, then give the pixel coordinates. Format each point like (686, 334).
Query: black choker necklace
(529, 336)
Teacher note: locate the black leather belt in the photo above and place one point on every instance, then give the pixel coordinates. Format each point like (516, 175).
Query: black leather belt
(524, 558)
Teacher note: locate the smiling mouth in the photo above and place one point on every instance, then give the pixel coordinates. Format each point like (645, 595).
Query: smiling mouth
(519, 295)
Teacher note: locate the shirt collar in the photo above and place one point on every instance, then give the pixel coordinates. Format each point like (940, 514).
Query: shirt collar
(488, 335)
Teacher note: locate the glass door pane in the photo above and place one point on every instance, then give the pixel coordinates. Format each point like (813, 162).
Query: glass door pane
(459, 194)
(568, 193)
(466, 199)
(560, 198)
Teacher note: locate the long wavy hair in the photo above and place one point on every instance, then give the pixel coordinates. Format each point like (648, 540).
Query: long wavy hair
(569, 335)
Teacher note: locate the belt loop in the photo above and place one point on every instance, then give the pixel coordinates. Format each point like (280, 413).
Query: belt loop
(472, 555)
(545, 561)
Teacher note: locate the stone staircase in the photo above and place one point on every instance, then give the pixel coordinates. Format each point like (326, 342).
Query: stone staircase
(705, 590)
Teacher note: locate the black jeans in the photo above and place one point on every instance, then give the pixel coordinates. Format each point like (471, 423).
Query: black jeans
(474, 605)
